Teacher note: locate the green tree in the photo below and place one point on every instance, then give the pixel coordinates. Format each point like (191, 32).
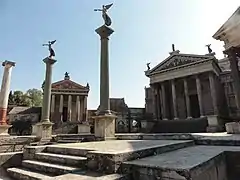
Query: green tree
(34, 97)
(20, 99)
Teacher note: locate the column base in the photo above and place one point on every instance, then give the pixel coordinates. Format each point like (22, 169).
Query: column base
(233, 128)
(104, 126)
(43, 130)
(176, 118)
(189, 117)
(4, 130)
(84, 128)
(165, 119)
(214, 123)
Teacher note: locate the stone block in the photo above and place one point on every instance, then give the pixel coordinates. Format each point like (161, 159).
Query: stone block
(215, 124)
(44, 130)
(4, 130)
(84, 129)
(233, 128)
(105, 127)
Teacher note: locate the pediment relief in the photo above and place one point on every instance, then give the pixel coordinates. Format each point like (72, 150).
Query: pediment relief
(177, 60)
(68, 84)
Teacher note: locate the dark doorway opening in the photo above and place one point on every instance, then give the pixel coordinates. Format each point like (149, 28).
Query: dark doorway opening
(195, 112)
(65, 114)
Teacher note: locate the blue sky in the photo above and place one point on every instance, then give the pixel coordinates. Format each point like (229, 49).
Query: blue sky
(144, 32)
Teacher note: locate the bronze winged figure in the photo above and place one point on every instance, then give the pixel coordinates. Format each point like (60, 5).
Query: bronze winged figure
(105, 16)
(51, 51)
(209, 49)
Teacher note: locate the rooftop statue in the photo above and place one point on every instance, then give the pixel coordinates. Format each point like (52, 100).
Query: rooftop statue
(209, 49)
(51, 51)
(106, 18)
(148, 66)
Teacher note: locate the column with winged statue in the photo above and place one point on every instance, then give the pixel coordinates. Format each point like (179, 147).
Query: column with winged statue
(104, 119)
(44, 128)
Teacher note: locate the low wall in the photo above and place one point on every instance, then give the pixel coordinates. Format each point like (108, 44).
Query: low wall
(180, 126)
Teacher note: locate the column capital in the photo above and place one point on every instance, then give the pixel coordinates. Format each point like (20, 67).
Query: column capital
(8, 63)
(49, 60)
(104, 31)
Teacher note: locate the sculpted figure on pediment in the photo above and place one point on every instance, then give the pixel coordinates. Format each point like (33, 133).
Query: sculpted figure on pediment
(177, 62)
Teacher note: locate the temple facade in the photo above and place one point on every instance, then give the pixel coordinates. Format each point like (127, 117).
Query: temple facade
(187, 86)
(68, 101)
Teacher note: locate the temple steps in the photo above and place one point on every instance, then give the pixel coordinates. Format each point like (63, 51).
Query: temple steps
(49, 168)
(25, 174)
(61, 159)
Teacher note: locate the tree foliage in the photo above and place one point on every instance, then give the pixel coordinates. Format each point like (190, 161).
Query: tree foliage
(33, 97)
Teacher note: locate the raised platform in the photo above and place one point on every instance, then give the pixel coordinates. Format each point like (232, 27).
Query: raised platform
(181, 158)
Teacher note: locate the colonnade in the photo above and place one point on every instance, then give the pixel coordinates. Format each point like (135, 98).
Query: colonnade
(81, 106)
(160, 97)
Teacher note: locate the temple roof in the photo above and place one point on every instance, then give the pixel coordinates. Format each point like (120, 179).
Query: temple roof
(232, 22)
(177, 60)
(67, 84)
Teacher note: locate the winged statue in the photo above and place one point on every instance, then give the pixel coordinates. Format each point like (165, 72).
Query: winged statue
(51, 51)
(148, 66)
(209, 49)
(105, 16)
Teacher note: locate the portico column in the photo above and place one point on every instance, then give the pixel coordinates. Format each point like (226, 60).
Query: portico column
(199, 93)
(213, 93)
(61, 106)
(53, 103)
(187, 98)
(85, 108)
(164, 107)
(174, 98)
(69, 107)
(78, 108)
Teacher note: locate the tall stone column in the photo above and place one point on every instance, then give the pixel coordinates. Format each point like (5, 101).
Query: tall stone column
(154, 108)
(213, 93)
(61, 106)
(164, 101)
(45, 126)
(85, 108)
(104, 121)
(69, 108)
(232, 56)
(174, 98)
(78, 108)
(199, 93)
(4, 95)
(187, 100)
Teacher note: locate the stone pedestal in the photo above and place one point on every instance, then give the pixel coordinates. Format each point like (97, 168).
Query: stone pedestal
(233, 128)
(105, 127)
(84, 128)
(4, 130)
(215, 124)
(43, 130)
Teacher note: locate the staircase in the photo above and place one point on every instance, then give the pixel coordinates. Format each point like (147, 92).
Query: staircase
(52, 163)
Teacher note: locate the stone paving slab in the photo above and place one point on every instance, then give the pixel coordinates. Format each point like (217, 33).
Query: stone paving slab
(190, 161)
(119, 146)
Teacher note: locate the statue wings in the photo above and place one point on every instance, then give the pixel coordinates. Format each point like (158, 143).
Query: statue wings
(108, 6)
(52, 42)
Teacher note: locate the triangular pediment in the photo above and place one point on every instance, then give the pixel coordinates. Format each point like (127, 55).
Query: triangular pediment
(68, 84)
(176, 60)
(231, 23)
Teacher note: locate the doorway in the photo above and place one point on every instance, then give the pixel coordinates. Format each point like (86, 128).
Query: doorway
(65, 114)
(195, 112)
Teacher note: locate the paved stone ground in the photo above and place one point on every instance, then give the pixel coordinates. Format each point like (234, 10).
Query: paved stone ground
(185, 158)
(119, 146)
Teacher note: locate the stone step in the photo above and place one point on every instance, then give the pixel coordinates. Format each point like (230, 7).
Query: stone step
(92, 176)
(68, 141)
(48, 168)
(23, 174)
(66, 150)
(76, 161)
